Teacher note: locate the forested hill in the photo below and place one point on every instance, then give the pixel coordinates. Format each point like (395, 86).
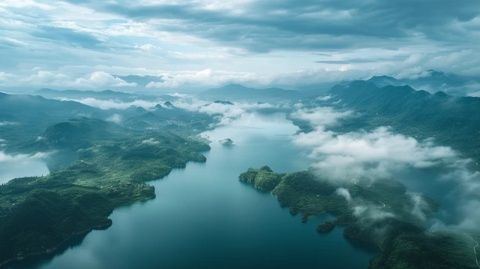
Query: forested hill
(452, 121)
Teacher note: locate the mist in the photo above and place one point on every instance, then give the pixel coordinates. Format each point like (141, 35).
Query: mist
(364, 157)
(22, 165)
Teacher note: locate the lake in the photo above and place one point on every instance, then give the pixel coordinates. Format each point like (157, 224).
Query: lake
(203, 217)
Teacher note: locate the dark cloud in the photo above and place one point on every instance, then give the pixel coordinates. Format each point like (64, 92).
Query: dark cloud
(309, 24)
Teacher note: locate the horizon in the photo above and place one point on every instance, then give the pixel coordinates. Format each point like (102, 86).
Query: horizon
(193, 45)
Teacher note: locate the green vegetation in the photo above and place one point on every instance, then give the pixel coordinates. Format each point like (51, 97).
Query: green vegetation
(377, 216)
(39, 213)
(452, 121)
(96, 166)
(25, 118)
(263, 179)
(326, 227)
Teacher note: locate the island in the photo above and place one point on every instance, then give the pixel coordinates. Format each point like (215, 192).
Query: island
(326, 227)
(227, 142)
(376, 217)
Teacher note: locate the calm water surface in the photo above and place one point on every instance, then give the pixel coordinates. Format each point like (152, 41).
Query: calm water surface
(203, 217)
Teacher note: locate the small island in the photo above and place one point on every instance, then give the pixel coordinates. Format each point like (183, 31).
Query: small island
(227, 142)
(326, 227)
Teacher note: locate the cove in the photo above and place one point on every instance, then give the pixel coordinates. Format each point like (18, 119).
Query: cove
(203, 217)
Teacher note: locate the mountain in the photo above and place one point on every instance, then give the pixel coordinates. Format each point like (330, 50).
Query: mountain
(452, 121)
(28, 116)
(241, 93)
(142, 81)
(382, 81)
(24, 118)
(166, 117)
(435, 81)
(77, 94)
(80, 132)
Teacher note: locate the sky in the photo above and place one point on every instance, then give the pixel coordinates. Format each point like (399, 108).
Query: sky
(195, 44)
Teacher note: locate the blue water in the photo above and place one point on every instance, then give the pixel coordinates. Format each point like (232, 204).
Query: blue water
(203, 217)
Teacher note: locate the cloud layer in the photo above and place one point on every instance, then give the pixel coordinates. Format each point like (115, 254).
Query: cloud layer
(363, 157)
(86, 44)
(21, 165)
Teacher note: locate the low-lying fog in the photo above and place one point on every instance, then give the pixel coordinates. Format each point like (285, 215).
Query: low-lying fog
(21, 165)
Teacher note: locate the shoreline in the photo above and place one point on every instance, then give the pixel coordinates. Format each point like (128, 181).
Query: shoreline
(80, 235)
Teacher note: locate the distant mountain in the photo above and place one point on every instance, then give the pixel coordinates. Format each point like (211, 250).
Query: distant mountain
(453, 121)
(435, 81)
(77, 94)
(29, 115)
(382, 81)
(141, 81)
(239, 92)
(24, 118)
(80, 133)
(166, 117)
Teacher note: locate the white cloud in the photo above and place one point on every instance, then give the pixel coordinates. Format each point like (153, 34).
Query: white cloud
(370, 155)
(7, 123)
(200, 79)
(150, 141)
(97, 80)
(114, 104)
(420, 206)
(115, 118)
(5, 76)
(100, 79)
(344, 193)
(356, 156)
(370, 212)
(22, 165)
(363, 157)
(321, 116)
(226, 112)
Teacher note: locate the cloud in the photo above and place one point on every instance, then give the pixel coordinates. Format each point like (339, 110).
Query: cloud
(7, 123)
(344, 193)
(420, 206)
(370, 155)
(307, 24)
(226, 112)
(321, 116)
(69, 36)
(362, 157)
(100, 79)
(5, 76)
(115, 118)
(199, 79)
(114, 104)
(22, 165)
(197, 44)
(370, 212)
(96, 80)
(150, 141)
